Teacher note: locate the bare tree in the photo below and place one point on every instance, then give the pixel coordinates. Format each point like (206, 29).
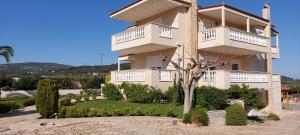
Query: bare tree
(190, 75)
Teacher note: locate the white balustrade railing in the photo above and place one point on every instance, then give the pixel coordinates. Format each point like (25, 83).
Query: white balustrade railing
(209, 34)
(246, 37)
(130, 35)
(165, 76)
(209, 76)
(131, 76)
(165, 31)
(275, 78)
(248, 77)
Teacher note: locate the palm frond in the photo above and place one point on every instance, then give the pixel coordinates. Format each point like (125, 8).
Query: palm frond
(7, 52)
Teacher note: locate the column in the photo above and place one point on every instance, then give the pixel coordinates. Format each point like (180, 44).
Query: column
(248, 24)
(223, 16)
(119, 67)
(277, 40)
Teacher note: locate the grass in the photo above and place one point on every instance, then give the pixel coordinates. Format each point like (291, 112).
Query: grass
(109, 104)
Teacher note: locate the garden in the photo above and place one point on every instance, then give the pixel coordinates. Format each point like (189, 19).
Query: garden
(141, 100)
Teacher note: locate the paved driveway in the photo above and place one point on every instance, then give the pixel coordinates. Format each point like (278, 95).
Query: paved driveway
(29, 124)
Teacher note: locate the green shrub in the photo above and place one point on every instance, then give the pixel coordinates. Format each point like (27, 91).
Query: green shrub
(170, 112)
(106, 113)
(5, 81)
(65, 101)
(29, 102)
(94, 112)
(66, 83)
(78, 98)
(174, 94)
(8, 106)
(249, 95)
(126, 111)
(111, 92)
(94, 97)
(26, 83)
(86, 97)
(236, 115)
(117, 112)
(47, 98)
(138, 93)
(200, 117)
(94, 82)
(151, 112)
(137, 112)
(76, 112)
(210, 97)
(187, 118)
(62, 112)
(273, 116)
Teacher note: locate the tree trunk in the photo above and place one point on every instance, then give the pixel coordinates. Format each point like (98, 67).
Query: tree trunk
(186, 108)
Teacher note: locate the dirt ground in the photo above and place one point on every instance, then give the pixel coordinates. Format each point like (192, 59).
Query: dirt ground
(25, 122)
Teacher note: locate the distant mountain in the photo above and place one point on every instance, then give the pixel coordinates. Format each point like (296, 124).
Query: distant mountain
(32, 68)
(55, 70)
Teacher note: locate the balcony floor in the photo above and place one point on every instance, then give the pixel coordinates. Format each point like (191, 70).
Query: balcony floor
(230, 50)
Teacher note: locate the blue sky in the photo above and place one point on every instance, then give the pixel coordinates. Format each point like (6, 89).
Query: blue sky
(75, 32)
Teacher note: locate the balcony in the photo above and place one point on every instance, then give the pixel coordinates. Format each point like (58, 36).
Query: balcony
(275, 53)
(156, 78)
(146, 38)
(232, 41)
(217, 78)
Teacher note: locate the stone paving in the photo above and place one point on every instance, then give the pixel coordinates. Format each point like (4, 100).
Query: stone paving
(29, 125)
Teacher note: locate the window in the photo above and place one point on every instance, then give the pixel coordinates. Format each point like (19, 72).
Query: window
(154, 62)
(212, 68)
(235, 67)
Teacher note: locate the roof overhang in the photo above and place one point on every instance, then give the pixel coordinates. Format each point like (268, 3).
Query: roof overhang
(143, 9)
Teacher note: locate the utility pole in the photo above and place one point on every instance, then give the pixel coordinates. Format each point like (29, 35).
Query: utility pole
(101, 55)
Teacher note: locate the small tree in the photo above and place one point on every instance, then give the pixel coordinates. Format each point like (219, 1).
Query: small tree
(47, 98)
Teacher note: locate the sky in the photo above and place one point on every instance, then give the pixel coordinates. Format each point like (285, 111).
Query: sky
(76, 32)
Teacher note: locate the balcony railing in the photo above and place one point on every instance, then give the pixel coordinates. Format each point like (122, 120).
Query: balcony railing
(131, 76)
(141, 32)
(246, 37)
(209, 34)
(165, 76)
(248, 77)
(130, 35)
(209, 76)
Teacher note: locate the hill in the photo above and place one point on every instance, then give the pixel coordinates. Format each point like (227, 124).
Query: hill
(54, 69)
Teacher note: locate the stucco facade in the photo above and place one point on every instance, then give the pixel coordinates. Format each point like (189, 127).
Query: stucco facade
(161, 29)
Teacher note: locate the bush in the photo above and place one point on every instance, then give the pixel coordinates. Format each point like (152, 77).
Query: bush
(26, 83)
(5, 81)
(174, 94)
(29, 102)
(117, 112)
(94, 82)
(86, 97)
(137, 112)
(111, 92)
(47, 98)
(170, 112)
(66, 83)
(273, 116)
(65, 101)
(151, 112)
(187, 118)
(250, 96)
(200, 117)
(76, 112)
(236, 115)
(8, 106)
(78, 98)
(138, 93)
(210, 97)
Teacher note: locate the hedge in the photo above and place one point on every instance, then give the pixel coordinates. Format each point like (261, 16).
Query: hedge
(111, 92)
(210, 97)
(236, 115)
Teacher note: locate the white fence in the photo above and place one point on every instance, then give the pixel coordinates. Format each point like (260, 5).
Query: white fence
(246, 37)
(131, 76)
(248, 77)
(130, 35)
(209, 34)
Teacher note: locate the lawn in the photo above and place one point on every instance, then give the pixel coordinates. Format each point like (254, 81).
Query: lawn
(109, 104)
(18, 100)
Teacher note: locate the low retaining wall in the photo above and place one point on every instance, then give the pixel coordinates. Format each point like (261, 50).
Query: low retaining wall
(30, 93)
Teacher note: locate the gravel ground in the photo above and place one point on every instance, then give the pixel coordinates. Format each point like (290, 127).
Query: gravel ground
(29, 125)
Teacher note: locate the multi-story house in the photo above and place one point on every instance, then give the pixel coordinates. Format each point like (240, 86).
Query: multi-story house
(247, 41)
